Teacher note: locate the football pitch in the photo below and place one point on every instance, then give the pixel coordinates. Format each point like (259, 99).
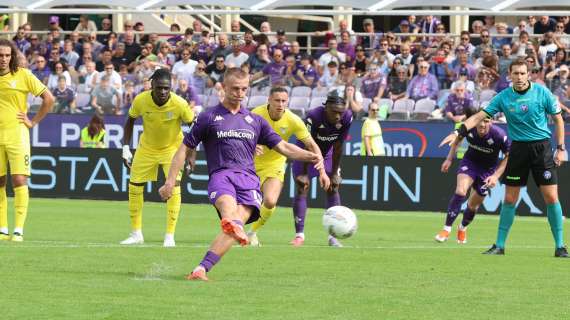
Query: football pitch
(70, 266)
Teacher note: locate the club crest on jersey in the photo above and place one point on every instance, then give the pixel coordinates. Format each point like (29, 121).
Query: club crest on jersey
(213, 195)
(248, 119)
(169, 115)
(524, 108)
(218, 118)
(490, 141)
(338, 126)
(547, 175)
(13, 84)
(283, 130)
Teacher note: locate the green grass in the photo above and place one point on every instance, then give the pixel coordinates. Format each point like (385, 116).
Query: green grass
(71, 267)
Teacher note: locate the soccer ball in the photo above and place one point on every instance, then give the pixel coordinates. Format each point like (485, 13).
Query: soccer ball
(340, 222)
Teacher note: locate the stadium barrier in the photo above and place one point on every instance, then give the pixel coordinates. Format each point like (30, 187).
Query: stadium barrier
(401, 138)
(371, 183)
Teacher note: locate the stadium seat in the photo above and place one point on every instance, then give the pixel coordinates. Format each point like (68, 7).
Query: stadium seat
(202, 99)
(487, 95)
(212, 101)
(255, 101)
(319, 92)
(298, 105)
(402, 109)
(386, 101)
(83, 100)
(365, 103)
(317, 102)
(259, 91)
(301, 91)
(423, 109)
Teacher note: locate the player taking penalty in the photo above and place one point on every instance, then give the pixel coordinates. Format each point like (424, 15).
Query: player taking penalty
(526, 106)
(163, 113)
(269, 164)
(15, 85)
(479, 171)
(229, 135)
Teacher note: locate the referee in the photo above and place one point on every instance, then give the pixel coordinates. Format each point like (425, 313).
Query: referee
(526, 106)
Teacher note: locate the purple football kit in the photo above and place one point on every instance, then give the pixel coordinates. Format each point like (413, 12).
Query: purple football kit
(229, 141)
(325, 135)
(482, 157)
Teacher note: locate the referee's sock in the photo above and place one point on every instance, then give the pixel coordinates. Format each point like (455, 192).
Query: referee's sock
(554, 213)
(507, 216)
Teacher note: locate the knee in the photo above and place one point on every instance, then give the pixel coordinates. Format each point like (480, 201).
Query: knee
(270, 202)
(19, 180)
(550, 198)
(510, 199)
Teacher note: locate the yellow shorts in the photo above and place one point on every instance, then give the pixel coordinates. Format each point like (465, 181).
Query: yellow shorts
(15, 151)
(271, 172)
(146, 162)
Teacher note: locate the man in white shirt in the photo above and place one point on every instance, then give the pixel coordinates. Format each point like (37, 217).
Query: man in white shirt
(184, 69)
(114, 77)
(331, 55)
(237, 57)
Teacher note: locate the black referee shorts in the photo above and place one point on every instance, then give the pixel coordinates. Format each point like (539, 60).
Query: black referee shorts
(536, 157)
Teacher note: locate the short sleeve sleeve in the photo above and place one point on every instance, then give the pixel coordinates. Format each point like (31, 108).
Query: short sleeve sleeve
(552, 106)
(135, 109)
(186, 114)
(300, 131)
(267, 136)
(494, 107)
(35, 86)
(198, 132)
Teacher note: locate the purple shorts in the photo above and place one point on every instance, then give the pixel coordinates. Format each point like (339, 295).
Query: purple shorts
(242, 186)
(477, 173)
(298, 167)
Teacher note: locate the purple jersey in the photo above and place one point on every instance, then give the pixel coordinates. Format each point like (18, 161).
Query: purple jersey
(64, 97)
(230, 139)
(484, 151)
(325, 134)
(275, 71)
(457, 106)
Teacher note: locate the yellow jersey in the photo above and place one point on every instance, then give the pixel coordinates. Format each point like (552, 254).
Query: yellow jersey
(289, 124)
(14, 89)
(161, 124)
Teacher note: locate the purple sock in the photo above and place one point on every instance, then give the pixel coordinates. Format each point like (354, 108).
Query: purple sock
(238, 222)
(299, 212)
(468, 216)
(333, 200)
(453, 209)
(210, 260)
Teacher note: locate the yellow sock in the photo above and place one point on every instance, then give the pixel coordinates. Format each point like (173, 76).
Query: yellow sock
(21, 199)
(136, 200)
(3, 211)
(264, 215)
(173, 210)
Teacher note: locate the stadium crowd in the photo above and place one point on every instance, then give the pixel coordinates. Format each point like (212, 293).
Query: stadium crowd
(407, 76)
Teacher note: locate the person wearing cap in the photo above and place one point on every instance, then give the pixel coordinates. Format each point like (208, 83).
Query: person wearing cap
(85, 25)
(54, 23)
(558, 77)
(281, 43)
(405, 27)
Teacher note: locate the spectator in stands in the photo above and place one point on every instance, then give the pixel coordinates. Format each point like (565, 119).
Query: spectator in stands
(106, 58)
(404, 27)
(290, 71)
(147, 85)
(330, 78)
(547, 46)
(128, 96)
(145, 68)
(113, 77)
(275, 70)
(560, 37)
(41, 71)
(342, 27)
(347, 76)
(544, 25)
(487, 52)
(531, 23)
(197, 26)
(200, 80)
(96, 46)
(174, 39)
(265, 28)
(87, 49)
(374, 83)
(119, 57)
(393, 43)
(69, 55)
(505, 59)
(93, 135)
(397, 85)
(465, 41)
(457, 103)
(20, 40)
(107, 27)
(354, 101)
(331, 55)
(55, 57)
(223, 48)
(463, 77)
(372, 141)
(132, 49)
(462, 62)
(127, 76)
(345, 46)
(503, 37)
(53, 22)
(360, 61)
(183, 69)
(249, 47)
(398, 62)
(423, 85)
(235, 27)
(488, 73)
(566, 21)
(85, 25)
(281, 43)
(59, 69)
(217, 69)
(485, 43)
(89, 75)
(441, 70)
(35, 45)
(165, 57)
(387, 56)
(190, 95)
(428, 24)
(521, 45)
(64, 97)
(296, 52)
(237, 57)
(441, 36)
(476, 28)
(305, 75)
(371, 40)
(147, 53)
(558, 77)
(522, 26)
(258, 61)
(490, 24)
(563, 95)
(102, 98)
(536, 76)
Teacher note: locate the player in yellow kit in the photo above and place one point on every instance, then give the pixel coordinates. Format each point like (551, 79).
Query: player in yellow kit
(15, 85)
(270, 165)
(162, 114)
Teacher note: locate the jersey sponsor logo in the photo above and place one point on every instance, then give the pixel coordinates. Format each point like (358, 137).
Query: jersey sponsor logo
(513, 178)
(331, 138)
(239, 134)
(218, 118)
(547, 175)
(480, 148)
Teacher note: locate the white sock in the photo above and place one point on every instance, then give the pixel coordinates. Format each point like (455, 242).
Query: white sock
(137, 233)
(300, 235)
(446, 228)
(169, 236)
(331, 237)
(4, 230)
(19, 231)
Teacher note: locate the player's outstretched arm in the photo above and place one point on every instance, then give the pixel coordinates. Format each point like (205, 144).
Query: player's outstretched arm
(450, 155)
(47, 105)
(291, 151)
(337, 154)
(465, 127)
(491, 181)
(177, 163)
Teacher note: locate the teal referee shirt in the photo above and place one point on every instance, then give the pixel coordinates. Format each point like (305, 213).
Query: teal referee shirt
(527, 114)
